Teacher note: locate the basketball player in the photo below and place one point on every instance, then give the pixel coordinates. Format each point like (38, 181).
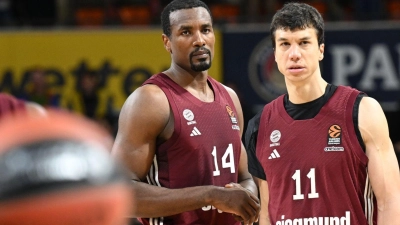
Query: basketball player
(180, 133)
(57, 169)
(318, 150)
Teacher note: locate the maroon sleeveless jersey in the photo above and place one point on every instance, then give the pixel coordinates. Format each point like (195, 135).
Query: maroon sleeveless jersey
(203, 150)
(315, 168)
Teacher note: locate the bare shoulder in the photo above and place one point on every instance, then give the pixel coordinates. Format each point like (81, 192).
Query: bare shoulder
(143, 117)
(147, 100)
(368, 103)
(372, 119)
(145, 93)
(370, 111)
(231, 93)
(235, 98)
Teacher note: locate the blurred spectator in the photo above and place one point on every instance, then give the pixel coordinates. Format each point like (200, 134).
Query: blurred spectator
(88, 99)
(37, 89)
(88, 88)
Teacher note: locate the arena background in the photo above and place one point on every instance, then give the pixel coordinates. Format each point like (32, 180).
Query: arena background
(360, 54)
(120, 40)
(124, 59)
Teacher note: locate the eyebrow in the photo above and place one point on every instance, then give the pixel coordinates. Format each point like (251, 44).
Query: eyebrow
(189, 27)
(185, 27)
(301, 39)
(305, 38)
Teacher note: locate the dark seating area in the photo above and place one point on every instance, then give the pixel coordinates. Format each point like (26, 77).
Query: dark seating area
(147, 12)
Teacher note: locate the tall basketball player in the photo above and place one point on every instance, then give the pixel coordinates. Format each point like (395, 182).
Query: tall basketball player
(321, 153)
(180, 133)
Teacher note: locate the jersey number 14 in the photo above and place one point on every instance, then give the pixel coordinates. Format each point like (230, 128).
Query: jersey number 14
(225, 164)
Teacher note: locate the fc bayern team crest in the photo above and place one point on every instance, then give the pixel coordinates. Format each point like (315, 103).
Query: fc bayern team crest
(264, 75)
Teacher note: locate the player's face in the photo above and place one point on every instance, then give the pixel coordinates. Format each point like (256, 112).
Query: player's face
(297, 53)
(192, 39)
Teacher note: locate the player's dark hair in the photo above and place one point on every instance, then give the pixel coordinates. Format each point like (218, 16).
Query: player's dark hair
(295, 16)
(178, 5)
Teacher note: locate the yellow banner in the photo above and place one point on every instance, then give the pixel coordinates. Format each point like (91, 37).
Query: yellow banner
(124, 58)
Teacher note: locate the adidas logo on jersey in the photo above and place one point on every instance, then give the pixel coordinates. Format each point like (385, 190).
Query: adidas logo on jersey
(195, 132)
(274, 154)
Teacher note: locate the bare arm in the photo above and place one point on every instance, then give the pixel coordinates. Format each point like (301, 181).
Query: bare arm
(143, 119)
(382, 167)
(264, 197)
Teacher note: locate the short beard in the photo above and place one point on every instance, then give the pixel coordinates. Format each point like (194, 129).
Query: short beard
(202, 66)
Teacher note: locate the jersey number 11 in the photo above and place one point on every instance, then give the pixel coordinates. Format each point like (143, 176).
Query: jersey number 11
(311, 176)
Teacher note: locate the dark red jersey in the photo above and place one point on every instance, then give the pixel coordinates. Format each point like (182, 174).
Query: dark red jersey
(203, 150)
(315, 168)
(10, 105)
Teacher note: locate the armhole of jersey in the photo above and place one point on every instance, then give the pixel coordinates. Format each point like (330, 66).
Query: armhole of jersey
(227, 96)
(251, 138)
(355, 120)
(352, 131)
(224, 92)
(174, 110)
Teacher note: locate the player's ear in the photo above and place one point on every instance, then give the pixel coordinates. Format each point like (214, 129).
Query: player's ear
(321, 49)
(167, 43)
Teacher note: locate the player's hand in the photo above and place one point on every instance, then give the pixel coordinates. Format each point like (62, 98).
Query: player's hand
(237, 200)
(231, 185)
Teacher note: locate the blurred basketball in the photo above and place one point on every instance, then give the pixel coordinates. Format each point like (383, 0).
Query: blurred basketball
(57, 169)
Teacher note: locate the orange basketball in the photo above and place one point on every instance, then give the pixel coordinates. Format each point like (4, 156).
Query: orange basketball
(57, 169)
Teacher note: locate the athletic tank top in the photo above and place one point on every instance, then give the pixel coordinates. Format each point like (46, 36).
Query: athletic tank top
(204, 149)
(315, 168)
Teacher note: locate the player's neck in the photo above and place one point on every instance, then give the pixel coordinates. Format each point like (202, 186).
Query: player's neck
(195, 83)
(306, 92)
(186, 77)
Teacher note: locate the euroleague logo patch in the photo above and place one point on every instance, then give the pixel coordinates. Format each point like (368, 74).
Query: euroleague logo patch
(231, 114)
(335, 135)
